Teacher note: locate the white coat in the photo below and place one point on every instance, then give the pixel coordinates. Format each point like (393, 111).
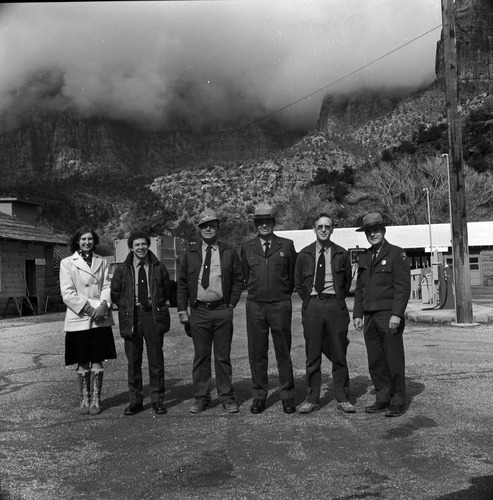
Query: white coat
(78, 283)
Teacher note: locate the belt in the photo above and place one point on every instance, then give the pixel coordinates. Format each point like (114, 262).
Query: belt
(323, 296)
(211, 305)
(141, 308)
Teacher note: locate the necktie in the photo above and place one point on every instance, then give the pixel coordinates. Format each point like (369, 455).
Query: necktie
(207, 268)
(320, 274)
(142, 296)
(266, 244)
(374, 254)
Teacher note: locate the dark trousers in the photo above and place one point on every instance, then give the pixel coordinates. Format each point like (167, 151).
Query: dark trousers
(386, 361)
(325, 327)
(145, 330)
(212, 327)
(260, 316)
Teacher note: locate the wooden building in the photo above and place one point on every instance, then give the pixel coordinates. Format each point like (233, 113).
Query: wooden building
(29, 260)
(416, 241)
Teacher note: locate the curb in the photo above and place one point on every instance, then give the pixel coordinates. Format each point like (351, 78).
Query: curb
(447, 318)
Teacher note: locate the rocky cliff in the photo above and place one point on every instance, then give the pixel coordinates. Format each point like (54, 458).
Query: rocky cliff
(67, 144)
(474, 36)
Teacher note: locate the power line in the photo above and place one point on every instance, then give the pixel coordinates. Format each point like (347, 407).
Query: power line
(269, 115)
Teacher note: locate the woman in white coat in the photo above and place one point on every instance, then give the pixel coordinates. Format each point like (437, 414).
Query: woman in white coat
(85, 290)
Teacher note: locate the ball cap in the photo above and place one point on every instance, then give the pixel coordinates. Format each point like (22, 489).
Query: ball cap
(207, 216)
(263, 211)
(372, 219)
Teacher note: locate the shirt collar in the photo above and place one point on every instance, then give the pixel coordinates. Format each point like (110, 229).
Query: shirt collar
(319, 247)
(205, 245)
(145, 261)
(263, 242)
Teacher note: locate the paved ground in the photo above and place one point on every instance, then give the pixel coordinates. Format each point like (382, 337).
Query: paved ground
(440, 449)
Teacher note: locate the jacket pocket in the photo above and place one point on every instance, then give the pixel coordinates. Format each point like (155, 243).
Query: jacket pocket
(162, 319)
(383, 275)
(126, 323)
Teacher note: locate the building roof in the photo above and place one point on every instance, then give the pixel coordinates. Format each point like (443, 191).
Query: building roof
(480, 234)
(7, 199)
(12, 228)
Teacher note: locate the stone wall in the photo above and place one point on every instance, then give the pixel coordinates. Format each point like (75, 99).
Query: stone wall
(487, 267)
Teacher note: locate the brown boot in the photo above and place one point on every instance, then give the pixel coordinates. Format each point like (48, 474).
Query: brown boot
(97, 384)
(85, 390)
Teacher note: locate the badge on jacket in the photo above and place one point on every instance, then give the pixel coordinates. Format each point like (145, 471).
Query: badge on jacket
(282, 254)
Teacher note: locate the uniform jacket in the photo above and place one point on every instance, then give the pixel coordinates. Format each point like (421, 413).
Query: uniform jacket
(271, 278)
(305, 272)
(384, 285)
(78, 283)
(188, 279)
(123, 294)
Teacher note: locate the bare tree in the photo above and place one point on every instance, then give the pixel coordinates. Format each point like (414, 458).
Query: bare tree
(396, 188)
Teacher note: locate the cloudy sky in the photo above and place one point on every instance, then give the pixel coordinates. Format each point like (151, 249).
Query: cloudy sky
(236, 60)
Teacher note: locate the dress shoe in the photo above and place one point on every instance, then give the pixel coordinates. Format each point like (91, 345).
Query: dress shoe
(288, 406)
(346, 407)
(307, 407)
(159, 408)
(231, 407)
(376, 407)
(199, 406)
(394, 411)
(258, 406)
(133, 409)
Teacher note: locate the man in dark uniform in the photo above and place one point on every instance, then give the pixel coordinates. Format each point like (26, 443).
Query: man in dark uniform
(268, 266)
(382, 292)
(140, 288)
(211, 281)
(323, 278)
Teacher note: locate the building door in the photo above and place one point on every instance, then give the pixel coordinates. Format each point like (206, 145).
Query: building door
(475, 268)
(31, 285)
(30, 274)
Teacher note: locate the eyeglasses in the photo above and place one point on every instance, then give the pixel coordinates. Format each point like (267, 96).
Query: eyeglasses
(323, 227)
(208, 225)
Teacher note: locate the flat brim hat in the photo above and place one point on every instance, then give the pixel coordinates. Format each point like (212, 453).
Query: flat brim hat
(263, 212)
(207, 216)
(370, 220)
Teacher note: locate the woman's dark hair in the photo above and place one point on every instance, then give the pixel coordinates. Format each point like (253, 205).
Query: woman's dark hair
(135, 235)
(74, 241)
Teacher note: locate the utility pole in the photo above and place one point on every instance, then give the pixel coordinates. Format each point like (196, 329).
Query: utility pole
(460, 243)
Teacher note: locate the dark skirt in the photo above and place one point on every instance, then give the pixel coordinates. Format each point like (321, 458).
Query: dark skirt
(86, 346)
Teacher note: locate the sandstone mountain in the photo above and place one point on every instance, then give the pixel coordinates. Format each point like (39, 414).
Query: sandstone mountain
(115, 175)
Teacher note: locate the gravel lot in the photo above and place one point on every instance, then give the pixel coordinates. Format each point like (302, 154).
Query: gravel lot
(441, 448)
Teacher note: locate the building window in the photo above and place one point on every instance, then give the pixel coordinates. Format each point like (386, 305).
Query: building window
(474, 263)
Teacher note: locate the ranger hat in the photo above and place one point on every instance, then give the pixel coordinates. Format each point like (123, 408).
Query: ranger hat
(206, 216)
(263, 211)
(372, 219)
